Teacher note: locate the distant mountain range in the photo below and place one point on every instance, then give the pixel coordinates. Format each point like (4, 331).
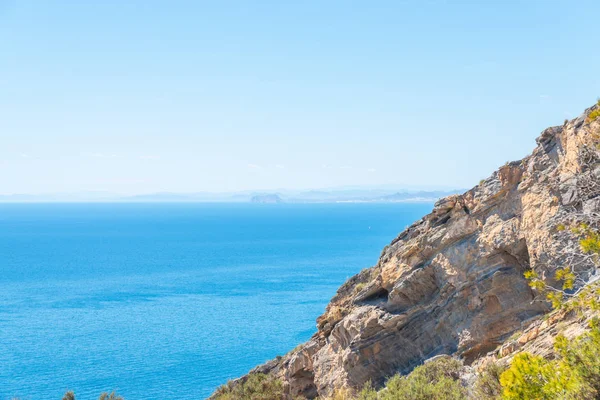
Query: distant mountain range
(334, 195)
(266, 198)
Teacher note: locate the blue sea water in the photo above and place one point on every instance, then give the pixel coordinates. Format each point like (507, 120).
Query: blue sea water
(166, 301)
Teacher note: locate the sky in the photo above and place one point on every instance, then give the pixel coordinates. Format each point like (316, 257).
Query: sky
(141, 96)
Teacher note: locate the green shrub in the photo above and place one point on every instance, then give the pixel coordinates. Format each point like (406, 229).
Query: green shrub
(435, 380)
(582, 356)
(256, 387)
(590, 243)
(575, 374)
(592, 116)
(526, 377)
(367, 392)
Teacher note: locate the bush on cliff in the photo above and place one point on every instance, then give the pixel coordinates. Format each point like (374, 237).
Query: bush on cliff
(256, 387)
(592, 116)
(437, 379)
(575, 374)
(367, 392)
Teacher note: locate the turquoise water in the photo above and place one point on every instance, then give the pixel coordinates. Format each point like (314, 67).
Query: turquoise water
(170, 300)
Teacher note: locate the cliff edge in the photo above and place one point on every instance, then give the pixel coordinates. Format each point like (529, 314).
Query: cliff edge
(452, 282)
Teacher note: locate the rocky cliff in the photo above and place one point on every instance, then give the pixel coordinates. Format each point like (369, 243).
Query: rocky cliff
(452, 283)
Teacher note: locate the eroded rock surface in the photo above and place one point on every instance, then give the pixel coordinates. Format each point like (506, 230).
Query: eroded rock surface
(452, 283)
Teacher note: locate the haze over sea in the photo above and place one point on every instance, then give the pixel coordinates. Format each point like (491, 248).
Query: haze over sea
(170, 300)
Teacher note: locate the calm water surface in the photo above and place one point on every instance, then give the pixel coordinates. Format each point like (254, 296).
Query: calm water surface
(170, 300)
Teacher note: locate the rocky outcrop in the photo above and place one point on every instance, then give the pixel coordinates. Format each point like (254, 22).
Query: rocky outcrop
(539, 337)
(452, 283)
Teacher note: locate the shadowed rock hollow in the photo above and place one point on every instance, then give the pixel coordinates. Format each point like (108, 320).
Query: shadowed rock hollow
(452, 283)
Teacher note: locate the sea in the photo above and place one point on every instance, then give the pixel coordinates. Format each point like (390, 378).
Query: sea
(165, 301)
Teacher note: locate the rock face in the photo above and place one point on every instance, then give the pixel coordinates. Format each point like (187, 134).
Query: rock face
(452, 283)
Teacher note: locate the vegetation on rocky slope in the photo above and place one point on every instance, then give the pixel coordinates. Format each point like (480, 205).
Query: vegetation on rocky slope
(594, 114)
(255, 387)
(437, 379)
(573, 373)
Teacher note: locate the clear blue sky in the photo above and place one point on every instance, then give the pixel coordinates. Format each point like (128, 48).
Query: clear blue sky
(144, 96)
